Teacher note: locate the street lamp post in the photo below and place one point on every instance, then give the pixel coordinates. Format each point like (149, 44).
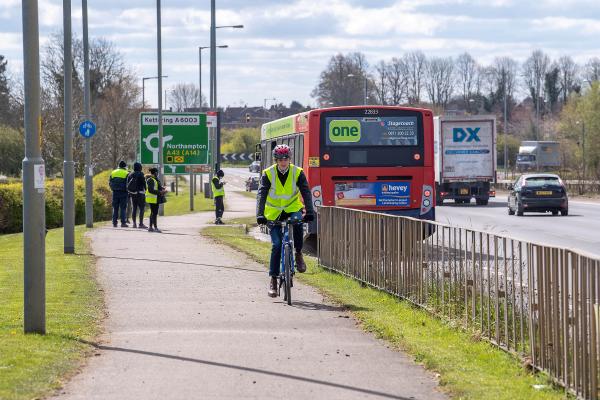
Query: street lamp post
(34, 214)
(213, 84)
(366, 97)
(160, 122)
(200, 48)
(144, 88)
(581, 187)
(505, 128)
(265, 106)
(89, 174)
(68, 164)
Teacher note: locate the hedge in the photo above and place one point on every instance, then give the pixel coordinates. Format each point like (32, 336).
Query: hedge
(11, 203)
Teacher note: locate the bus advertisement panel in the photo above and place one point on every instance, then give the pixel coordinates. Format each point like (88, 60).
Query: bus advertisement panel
(377, 158)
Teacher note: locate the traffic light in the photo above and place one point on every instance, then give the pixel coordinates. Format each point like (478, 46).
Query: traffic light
(247, 117)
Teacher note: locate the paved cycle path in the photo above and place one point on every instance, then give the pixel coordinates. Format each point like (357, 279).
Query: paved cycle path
(190, 319)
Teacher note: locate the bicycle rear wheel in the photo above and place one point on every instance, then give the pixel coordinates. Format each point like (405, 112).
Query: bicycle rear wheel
(288, 275)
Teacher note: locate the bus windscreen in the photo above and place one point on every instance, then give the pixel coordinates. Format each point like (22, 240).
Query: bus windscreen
(370, 131)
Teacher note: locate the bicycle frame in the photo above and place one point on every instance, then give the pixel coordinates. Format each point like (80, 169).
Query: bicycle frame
(287, 242)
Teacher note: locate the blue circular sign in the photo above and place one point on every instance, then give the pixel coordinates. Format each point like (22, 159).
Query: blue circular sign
(87, 129)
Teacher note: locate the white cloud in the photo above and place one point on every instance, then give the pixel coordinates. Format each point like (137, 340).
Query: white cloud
(553, 24)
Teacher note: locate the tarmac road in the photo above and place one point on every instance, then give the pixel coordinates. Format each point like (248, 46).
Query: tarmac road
(579, 230)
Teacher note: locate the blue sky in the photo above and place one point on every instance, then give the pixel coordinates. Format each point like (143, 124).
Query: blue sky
(286, 44)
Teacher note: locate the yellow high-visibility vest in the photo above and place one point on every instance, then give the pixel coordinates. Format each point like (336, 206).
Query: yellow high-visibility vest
(282, 197)
(152, 198)
(217, 192)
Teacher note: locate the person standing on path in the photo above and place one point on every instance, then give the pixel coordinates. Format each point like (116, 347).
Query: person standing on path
(278, 199)
(154, 191)
(118, 185)
(136, 186)
(219, 195)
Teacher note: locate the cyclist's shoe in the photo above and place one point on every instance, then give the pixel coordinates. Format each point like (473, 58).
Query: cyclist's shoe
(300, 264)
(273, 287)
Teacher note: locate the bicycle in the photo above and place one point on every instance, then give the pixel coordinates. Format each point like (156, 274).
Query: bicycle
(286, 269)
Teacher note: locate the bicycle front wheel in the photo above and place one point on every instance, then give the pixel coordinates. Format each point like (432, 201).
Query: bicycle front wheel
(288, 274)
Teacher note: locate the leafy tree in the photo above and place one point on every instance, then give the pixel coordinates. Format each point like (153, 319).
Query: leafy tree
(5, 111)
(579, 123)
(12, 148)
(241, 140)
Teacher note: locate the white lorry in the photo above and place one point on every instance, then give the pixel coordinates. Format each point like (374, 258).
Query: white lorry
(465, 158)
(538, 156)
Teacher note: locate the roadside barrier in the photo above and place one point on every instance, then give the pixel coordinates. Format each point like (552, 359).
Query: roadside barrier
(539, 302)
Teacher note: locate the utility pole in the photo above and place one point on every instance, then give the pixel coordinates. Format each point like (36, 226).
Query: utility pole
(505, 128)
(161, 209)
(89, 172)
(34, 214)
(366, 95)
(213, 92)
(68, 165)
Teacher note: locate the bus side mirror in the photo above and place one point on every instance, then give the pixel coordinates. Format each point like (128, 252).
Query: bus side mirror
(257, 156)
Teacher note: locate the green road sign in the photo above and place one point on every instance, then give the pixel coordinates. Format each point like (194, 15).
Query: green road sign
(185, 138)
(169, 169)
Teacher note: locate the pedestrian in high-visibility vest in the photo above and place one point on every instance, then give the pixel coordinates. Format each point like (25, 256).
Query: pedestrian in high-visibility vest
(278, 199)
(218, 190)
(154, 191)
(118, 185)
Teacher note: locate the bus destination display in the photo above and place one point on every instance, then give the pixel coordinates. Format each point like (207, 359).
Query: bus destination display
(372, 131)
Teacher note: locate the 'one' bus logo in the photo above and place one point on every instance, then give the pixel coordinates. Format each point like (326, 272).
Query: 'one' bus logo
(344, 130)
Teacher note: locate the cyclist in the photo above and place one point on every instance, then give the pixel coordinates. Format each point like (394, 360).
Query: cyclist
(279, 199)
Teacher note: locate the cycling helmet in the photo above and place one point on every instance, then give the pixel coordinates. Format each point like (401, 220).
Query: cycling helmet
(281, 151)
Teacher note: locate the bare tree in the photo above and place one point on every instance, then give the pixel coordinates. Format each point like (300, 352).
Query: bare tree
(342, 82)
(415, 63)
(592, 71)
(397, 81)
(381, 88)
(439, 83)
(117, 118)
(466, 71)
(184, 95)
(535, 69)
(568, 81)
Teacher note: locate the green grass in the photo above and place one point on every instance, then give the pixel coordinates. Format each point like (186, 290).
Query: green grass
(179, 205)
(34, 365)
(468, 368)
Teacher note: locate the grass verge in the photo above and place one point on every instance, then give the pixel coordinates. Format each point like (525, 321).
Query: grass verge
(33, 365)
(468, 368)
(180, 204)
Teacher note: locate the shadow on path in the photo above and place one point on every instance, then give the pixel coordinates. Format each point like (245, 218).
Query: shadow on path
(249, 369)
(309, 305)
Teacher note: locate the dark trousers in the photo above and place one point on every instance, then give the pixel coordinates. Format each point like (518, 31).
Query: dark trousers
(219, 206)
(153, 215)
(139, 203)
(119, 204)
(276, 239)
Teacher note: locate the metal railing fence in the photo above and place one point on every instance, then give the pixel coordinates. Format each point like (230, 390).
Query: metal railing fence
(541, 302)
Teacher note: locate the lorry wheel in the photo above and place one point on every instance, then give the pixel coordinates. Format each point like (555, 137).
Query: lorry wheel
(519, 213)
(481, 202)
(564, 212)
(555, 212)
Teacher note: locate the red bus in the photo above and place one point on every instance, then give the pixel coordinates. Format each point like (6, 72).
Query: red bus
(376, 158)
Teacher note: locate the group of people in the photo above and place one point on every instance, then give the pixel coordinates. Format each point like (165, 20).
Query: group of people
(283, 193)
(139, 189)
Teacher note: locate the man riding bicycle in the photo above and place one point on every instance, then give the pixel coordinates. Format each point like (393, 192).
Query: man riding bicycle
(279, 199)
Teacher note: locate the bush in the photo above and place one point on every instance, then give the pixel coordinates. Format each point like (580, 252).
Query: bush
(11, 203)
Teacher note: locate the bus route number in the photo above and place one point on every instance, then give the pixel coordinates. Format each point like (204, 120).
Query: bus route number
(371, 111)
